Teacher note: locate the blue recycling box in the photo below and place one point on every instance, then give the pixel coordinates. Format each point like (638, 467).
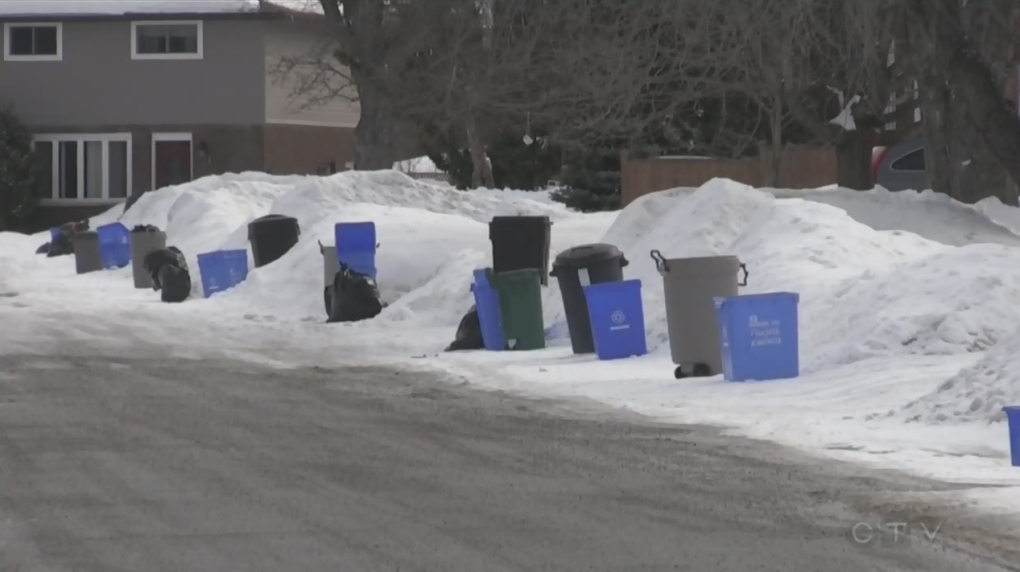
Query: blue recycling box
(114, 245)
(222, 269)
(355, 246)
(54, 233)
(1013, 419)
(617, 319)
(489, 313)
(758, 336)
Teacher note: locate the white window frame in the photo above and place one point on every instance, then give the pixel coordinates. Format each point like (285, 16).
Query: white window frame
(81, 139)
(9, 57)
(200, 48)
(165, 137)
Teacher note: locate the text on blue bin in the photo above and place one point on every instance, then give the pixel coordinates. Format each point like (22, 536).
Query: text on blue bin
(758, 336)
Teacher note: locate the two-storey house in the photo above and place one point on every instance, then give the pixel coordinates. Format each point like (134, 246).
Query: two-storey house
(127, 96)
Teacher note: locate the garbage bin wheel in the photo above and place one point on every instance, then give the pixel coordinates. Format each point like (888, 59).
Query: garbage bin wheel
(679, 372)
(701, 370)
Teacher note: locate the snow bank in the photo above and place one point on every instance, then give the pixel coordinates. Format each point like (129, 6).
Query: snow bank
(864, 293)
(431, 236)
(908, 300)
(869, 289)
(976, 394)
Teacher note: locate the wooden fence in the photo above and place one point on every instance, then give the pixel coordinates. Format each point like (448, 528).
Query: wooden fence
(801, 168)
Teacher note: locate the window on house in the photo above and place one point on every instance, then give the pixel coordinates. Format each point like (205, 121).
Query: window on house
(32, 42)
(166, 40)
(913, 161)
(83, 167)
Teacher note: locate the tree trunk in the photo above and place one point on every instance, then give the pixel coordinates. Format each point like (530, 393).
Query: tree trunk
(957, 76)
(375, 145)
(776, 129)
(936, 110)
(481, 169)
(853, 160)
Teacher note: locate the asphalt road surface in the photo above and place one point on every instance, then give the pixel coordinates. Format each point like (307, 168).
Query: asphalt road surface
(143, 466)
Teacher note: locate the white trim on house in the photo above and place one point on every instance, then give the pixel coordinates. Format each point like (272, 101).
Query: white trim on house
(158, 137)
(80, 187)
(200, 47)
(33, 58)
(302, 123)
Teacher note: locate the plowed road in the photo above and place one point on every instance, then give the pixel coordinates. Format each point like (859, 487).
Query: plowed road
(150, 465)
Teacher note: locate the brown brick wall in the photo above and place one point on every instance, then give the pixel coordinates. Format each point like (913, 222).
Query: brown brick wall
(306, 149)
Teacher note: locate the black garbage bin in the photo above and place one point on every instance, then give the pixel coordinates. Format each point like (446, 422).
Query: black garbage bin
(576, 268)
(271, 236)
(520, 242)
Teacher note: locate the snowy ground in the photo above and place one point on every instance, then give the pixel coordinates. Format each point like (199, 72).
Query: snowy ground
(908, 313)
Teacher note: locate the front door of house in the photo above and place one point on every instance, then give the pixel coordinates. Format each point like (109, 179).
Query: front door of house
(172, 163)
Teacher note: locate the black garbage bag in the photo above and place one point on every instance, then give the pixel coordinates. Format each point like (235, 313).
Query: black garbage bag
(175, 284)
(145, 228)
(469, 333)
(169, 271)
(45, 248)
(353, 296)
(63, 244)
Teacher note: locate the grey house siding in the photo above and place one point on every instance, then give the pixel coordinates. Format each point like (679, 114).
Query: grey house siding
(98, 83)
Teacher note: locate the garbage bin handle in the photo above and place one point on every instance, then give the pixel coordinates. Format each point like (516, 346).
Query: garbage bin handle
(624, 261)
(660, 261)
(743, 282)
(322, 250)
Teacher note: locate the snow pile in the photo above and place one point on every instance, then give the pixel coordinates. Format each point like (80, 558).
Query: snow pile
(864, 292)
(977, 393)
(431, 236)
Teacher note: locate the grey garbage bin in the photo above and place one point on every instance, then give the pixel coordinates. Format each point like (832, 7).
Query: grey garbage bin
(330, 266)
(690, 286)
(576, 268)
(143, 241)
(87, 256)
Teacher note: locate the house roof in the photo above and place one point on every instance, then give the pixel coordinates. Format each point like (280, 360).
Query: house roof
(48, 10)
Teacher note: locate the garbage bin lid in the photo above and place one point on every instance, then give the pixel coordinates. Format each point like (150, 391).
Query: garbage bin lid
(586, 255)
(519, 219)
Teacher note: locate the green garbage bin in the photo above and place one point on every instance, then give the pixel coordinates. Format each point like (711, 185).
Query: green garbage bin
(520, 306)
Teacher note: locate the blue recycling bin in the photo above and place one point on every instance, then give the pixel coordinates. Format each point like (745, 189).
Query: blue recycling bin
(489, 314)
(617, 319)
(54, 233)
(114, 245)
(758, 336)
(222, 269)
(1013, 420)
(356, 245)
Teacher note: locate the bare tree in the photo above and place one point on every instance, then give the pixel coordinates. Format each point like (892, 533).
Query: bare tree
(579, 71)
(361, 49)
(816, 72)
(960, 51)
